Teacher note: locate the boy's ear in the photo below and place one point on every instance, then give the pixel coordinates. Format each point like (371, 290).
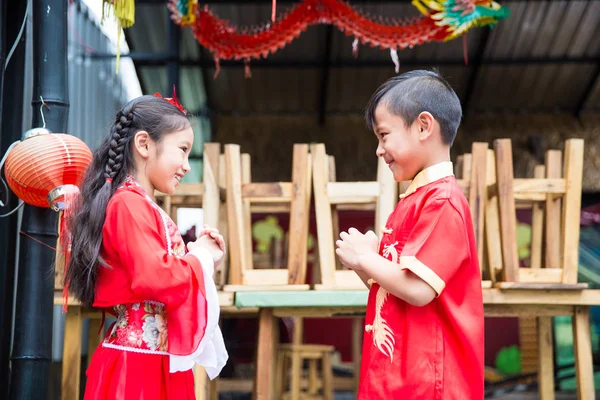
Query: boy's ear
(141, 143)
(425, 124)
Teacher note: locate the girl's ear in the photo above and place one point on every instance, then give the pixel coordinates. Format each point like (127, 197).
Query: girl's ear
(141, 143)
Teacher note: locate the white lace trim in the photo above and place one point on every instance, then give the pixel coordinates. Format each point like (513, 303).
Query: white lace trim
(163, 217)
(211, 353)
(134, 349)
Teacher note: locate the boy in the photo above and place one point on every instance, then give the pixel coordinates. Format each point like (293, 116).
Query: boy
(424, 322)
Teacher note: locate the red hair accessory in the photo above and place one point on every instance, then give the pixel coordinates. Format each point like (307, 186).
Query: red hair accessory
(173, 100)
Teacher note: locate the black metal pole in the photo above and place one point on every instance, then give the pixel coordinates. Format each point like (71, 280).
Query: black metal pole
(32, 346)
(173, 44)
(11, 123)
(3, 51)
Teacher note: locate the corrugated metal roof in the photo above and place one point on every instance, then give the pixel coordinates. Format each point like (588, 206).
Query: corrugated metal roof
(544, 57)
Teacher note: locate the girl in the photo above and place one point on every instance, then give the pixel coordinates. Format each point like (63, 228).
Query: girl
(128, 258)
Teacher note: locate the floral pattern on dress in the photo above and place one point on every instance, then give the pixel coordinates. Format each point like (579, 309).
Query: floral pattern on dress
(140, 327)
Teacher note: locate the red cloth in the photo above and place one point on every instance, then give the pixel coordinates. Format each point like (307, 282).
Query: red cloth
(435, 351)
(147, 261)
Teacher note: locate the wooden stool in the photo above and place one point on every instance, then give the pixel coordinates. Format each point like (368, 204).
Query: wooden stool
(296, 354)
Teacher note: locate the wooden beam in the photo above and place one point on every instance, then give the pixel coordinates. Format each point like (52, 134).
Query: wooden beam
(299, 214)
(506, 202)
(571, 215)
(275, 192)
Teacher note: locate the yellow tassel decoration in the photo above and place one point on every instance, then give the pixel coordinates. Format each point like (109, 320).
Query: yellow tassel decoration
(123, 11)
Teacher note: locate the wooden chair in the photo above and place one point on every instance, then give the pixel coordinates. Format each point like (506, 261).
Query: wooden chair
(290, 358)
(329, 194)
(554, 195)
(295, 355)
(556, 206)
(243, 197)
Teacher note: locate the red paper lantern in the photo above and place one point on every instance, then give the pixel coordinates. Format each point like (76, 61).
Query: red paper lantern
(46, 166)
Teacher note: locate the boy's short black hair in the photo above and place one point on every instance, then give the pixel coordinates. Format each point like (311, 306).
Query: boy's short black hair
(413, 92)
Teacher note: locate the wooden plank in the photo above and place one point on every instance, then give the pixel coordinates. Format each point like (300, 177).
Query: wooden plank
(464, 186)
(545, 358)
(388, 195)
(528, 344)
(323, 214)
(273, 192)
(299, 214)
(466, 166)
(184, 189)
(582, 347)
(225, 299)
(553, 213)
(211, 202)
(492, 222)
(540, 275)
(572, 209)
(238, 261)
(458, 167)
(327, 377)
(267, 326)
(266, 277)
(518, 310)
(265, 288)
(353, 192)
(541, 286)
(506, 202)
(542, 297)
(247, 213)
(477, 195)
(335, 218)
(186, 201)
(200, 383)
(222, 271)
(264, 208)
(358, 328)
(344, 280)
(71, 369)
(539, 185)
(537, 225)
(213, 389)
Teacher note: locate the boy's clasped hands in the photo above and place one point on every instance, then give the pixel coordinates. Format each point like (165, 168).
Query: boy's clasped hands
(353, 246)
(211, 240)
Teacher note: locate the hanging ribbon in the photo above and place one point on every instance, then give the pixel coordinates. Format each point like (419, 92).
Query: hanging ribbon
(123, 11)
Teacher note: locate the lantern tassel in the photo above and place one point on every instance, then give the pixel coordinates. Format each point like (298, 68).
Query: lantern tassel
(70, 198)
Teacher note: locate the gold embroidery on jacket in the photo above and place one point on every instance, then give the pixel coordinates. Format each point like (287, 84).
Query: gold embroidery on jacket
(383, 336)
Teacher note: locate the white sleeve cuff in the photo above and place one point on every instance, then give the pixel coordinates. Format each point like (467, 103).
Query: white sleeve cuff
(211, 353)
(205, 259)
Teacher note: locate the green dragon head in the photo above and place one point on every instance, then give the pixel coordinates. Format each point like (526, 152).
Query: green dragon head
(458, 16)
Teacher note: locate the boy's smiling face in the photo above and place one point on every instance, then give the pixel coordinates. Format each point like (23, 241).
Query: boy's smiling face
(399, 145)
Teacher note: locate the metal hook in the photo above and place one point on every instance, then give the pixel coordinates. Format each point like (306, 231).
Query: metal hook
(42, 111)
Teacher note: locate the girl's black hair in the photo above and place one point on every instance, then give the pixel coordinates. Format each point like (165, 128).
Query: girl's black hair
(113, 159)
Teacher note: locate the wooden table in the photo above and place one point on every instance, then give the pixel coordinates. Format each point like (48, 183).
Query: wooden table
(542, 304)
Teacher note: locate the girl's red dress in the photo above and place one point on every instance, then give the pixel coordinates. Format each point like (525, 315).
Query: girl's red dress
(165, 302)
